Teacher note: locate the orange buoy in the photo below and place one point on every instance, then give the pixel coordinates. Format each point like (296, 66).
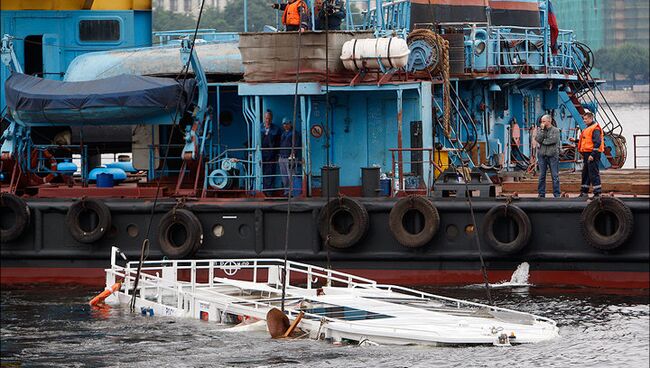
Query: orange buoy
(105, 294)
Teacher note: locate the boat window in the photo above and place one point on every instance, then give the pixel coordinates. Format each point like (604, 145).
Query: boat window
(344, 313)
(99, 30)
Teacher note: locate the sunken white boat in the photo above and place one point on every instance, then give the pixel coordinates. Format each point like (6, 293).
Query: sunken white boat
(335, 306)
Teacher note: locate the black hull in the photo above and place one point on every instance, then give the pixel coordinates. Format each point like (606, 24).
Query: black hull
(557, 252)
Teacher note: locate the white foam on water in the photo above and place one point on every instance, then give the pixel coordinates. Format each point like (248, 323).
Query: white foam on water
(518, 279)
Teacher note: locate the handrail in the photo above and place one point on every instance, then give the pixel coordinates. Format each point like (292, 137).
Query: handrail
(647, 148)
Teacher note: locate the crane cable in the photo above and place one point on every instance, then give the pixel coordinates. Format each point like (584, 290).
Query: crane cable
(144, 249)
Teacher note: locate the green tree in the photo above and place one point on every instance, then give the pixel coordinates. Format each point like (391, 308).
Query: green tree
(231, 19)
(627, 59)
(164, 20)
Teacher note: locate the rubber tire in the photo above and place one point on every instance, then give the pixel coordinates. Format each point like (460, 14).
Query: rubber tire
(103, 223)
(431, 221)
(523, 223)
(22, 213)
(359, 227)
(193, 228)
(623, 215)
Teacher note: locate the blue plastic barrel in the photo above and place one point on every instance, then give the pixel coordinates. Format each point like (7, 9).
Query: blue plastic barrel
(384, 187)
(104, 180)
(118, 174)
(67, 167)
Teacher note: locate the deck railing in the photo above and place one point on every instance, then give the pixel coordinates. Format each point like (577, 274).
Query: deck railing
(641, 145)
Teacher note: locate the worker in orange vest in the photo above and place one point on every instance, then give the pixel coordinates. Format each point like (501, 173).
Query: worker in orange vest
(295, 16)
(591, 145)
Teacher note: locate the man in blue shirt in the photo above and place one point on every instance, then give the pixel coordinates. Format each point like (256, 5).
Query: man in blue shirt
(289, 152)
(270, 142)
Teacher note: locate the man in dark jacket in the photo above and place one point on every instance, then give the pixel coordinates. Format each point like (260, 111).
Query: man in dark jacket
(548, 156)
(270, 141)
(289, 152)
(329, 14)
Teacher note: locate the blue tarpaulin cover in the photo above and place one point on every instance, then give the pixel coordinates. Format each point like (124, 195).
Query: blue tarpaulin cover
(40, 98)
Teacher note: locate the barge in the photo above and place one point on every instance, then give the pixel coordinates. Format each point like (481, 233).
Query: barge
(393, 172)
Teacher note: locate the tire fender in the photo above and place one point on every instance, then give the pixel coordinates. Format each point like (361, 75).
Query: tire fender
(431, 221)
(624, 222)
(73, 220)
(343, 236)
(21, 213)
(516, 214)
(169, 223)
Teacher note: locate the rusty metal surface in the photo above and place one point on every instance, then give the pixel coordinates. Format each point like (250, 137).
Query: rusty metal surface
(272, 57)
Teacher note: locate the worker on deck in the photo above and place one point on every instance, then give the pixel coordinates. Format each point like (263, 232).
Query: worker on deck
(295, 16)
(270, 143)
(548, 155)
(289, 152)
(329, 14)
(591, 144)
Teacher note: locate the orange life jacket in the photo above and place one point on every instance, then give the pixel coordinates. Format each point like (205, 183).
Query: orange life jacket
(586, 143)
(291, 15)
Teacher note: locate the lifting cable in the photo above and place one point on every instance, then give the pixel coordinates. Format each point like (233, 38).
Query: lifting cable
(444, 46)
(291, 157)
(144, 250)
(327, 134)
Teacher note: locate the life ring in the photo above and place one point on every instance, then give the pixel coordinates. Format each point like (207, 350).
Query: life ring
(404, 218)
(21, 213)
(78, 213)
(523, 231)
(345, 221)
(52, 161)
(595, 217)
(180, 233)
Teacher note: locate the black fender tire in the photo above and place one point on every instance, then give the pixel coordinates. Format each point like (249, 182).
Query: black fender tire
(624, 218)
(523, 225)
(73, 217)
(431, 221)
(21, 213)
(169, 223)
(353, 232)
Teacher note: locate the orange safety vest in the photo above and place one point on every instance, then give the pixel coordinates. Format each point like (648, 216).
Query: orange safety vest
(586, 143)
(291, 15)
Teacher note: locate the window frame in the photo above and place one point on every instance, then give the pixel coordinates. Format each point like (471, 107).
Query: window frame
(100, 42)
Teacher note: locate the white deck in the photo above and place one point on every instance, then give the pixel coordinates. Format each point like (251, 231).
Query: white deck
(337, 305)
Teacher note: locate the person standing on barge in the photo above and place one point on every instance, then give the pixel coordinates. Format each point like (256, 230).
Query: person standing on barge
(295, 16)
(591, 145)
(290, 147)
(329, 14)
(270, 142)
(548, 138)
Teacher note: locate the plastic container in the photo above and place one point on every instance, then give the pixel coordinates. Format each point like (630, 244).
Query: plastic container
(127, 166)
(67, 167)
(118, 174)
(392, 52)
(384, 187)
(105, 180)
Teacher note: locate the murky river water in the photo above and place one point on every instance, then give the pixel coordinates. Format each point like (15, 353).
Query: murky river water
(53, 326)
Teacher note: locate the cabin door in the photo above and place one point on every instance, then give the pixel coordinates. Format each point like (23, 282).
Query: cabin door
(52, 66)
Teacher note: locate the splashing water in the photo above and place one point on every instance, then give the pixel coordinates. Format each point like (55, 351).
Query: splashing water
(519, 278)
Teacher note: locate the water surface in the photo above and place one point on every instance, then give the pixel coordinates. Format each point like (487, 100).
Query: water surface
(53, 326)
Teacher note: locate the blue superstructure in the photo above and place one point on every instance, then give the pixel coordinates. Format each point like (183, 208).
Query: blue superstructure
(470, 96)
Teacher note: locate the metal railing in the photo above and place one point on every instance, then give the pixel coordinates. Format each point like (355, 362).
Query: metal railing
(645, 147)
(410, 175)
(237, 170)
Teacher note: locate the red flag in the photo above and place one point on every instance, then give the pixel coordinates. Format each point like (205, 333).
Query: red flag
(555, 31)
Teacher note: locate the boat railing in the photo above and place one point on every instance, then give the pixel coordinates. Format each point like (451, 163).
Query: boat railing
(457, 303)
(273, 268)
(44, 159)
(643, 147)
(410, 174)
(240, 164)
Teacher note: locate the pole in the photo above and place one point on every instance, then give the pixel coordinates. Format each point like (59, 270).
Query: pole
(245, 15)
